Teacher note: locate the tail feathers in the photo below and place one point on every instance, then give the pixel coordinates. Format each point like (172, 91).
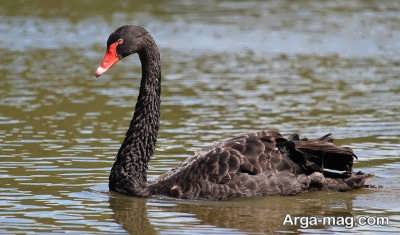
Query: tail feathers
(319, 155)
(353, 181)
(327, 138)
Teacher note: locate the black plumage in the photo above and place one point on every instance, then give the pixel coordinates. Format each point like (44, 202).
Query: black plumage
(253, 164)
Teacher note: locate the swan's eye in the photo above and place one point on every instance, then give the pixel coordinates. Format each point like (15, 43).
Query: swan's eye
(120, 41)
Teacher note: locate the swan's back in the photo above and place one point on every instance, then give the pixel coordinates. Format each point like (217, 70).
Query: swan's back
(261, 163)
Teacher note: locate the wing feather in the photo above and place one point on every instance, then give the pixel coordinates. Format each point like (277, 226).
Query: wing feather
(257, 163)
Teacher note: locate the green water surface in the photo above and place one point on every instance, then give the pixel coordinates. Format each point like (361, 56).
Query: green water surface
(229, 67)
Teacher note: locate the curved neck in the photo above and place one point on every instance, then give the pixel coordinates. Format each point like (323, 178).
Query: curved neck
(128, 174)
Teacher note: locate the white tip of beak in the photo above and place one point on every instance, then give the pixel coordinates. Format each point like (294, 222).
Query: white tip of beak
(99, 71)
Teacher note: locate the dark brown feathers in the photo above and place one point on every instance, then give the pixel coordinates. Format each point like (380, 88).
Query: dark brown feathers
(261, 163)
(254, 164)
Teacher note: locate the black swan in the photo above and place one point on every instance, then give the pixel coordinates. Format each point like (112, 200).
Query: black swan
(253, 164)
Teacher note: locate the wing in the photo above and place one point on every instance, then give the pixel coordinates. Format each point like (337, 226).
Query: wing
(258, 163)
(227, 169)
(320, 155)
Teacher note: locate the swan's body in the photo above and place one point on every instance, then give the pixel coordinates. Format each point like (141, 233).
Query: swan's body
(254, 164)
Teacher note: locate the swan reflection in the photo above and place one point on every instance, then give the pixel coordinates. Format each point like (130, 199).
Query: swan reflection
(257, 215)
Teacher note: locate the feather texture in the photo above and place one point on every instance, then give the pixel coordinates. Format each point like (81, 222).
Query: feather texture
(254, 164)
(258, 164)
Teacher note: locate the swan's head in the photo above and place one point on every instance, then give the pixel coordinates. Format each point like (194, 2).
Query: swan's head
(126, 40)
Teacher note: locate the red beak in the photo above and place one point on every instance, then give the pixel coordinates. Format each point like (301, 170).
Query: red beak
(109, 59)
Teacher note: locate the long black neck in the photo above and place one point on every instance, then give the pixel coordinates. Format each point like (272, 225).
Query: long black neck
(128, 174)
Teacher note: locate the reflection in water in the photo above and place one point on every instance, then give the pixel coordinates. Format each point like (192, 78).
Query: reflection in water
(228, 67)
(257, 215)
(131, 213)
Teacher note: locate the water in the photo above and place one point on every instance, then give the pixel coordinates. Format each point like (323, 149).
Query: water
(228, 67)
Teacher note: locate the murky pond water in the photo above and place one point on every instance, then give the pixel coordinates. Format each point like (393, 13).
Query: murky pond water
(228, 67)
